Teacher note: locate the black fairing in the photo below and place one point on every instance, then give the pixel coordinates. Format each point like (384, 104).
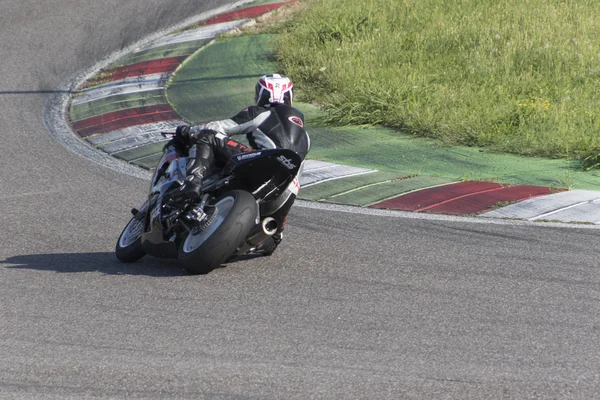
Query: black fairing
(264, 173)
(295, 137)
(153, 239)
(284, 126)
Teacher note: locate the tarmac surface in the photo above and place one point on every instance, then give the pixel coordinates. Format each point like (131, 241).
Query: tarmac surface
(356, 303)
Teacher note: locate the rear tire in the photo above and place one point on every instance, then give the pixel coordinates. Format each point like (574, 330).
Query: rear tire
(201, 252)
(129, 246)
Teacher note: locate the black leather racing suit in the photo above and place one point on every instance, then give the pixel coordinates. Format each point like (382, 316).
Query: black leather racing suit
(271, 127)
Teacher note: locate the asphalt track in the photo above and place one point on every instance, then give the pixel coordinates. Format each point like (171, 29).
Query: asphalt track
(381, 305)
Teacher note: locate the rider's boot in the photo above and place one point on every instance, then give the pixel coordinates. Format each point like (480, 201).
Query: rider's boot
(193, 183)
(197, 169)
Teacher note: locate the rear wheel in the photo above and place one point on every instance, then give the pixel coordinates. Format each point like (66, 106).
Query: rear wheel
(203, 250)
(129, 246)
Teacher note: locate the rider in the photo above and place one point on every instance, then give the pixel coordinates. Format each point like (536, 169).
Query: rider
(271, 123)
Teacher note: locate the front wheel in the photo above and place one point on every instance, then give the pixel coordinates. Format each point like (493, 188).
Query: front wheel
(203, 250)
(129, 246)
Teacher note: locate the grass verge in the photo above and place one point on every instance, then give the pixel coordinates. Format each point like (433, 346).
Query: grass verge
(218, 81)
(521, 77)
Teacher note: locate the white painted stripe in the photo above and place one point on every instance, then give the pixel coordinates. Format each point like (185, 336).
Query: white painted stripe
(132, 142)
(204, 32)
(124, 90)
(324, 168)
(105, 139)
(560, 210)
(546, 206)
(316, 164)
(312, 176)
(135, 84)
(337, 177)
(588, 211)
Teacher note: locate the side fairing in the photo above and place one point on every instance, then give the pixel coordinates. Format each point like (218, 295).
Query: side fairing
(170, 171)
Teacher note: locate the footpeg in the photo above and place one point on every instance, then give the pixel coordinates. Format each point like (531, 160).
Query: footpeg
(135, 211)
(197, 213)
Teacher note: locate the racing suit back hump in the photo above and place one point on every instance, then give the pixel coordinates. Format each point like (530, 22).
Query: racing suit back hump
(278, 126)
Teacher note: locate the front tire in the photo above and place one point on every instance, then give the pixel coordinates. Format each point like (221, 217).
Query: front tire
(129, 246)
(204, 250)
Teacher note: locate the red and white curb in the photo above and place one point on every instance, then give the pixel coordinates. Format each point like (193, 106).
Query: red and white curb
(125, 130)
(134, 85)
(207, 32)
(120, 133)
(115, 126)
(572, 206)
(132, 137)
(314, 172)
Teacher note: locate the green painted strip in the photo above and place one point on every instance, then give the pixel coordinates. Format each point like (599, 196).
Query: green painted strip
(368, 195)
(140, 152)
(368, 147)
(211, 86)
(106, 105)
(222, 99)
(321, 191)
(388, 150)
(181, 49)
(149, 162)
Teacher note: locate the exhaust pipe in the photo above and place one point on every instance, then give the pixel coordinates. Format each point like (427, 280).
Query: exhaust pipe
(258, 234)
(269, 226)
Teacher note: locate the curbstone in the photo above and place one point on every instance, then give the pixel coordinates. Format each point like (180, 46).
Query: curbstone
(114, 117)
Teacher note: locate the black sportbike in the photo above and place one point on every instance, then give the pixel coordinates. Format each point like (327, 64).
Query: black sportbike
(229, 219)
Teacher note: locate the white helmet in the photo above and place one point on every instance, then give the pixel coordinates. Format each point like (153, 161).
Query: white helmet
(273, 88)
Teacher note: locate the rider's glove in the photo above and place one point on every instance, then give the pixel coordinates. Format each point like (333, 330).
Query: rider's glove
(182, 134)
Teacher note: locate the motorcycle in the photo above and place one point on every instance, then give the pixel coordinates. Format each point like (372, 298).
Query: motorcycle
(230, 218)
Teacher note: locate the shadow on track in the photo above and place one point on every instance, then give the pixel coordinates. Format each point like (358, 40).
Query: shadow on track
(8, 92)
(105, 263)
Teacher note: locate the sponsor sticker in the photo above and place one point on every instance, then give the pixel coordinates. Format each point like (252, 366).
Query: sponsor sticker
(247, 156)
(286, 162)
(296, 121)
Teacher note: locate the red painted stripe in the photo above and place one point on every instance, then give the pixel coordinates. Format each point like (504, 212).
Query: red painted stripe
(462, 198)
(481, 202)
(159, 66)
(129, 122)
(125, 118)
(441, 203)
(425, 198)
(251, 12)
(117, 115)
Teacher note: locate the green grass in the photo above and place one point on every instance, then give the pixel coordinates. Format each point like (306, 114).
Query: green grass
(517, 76)
(219, 80)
